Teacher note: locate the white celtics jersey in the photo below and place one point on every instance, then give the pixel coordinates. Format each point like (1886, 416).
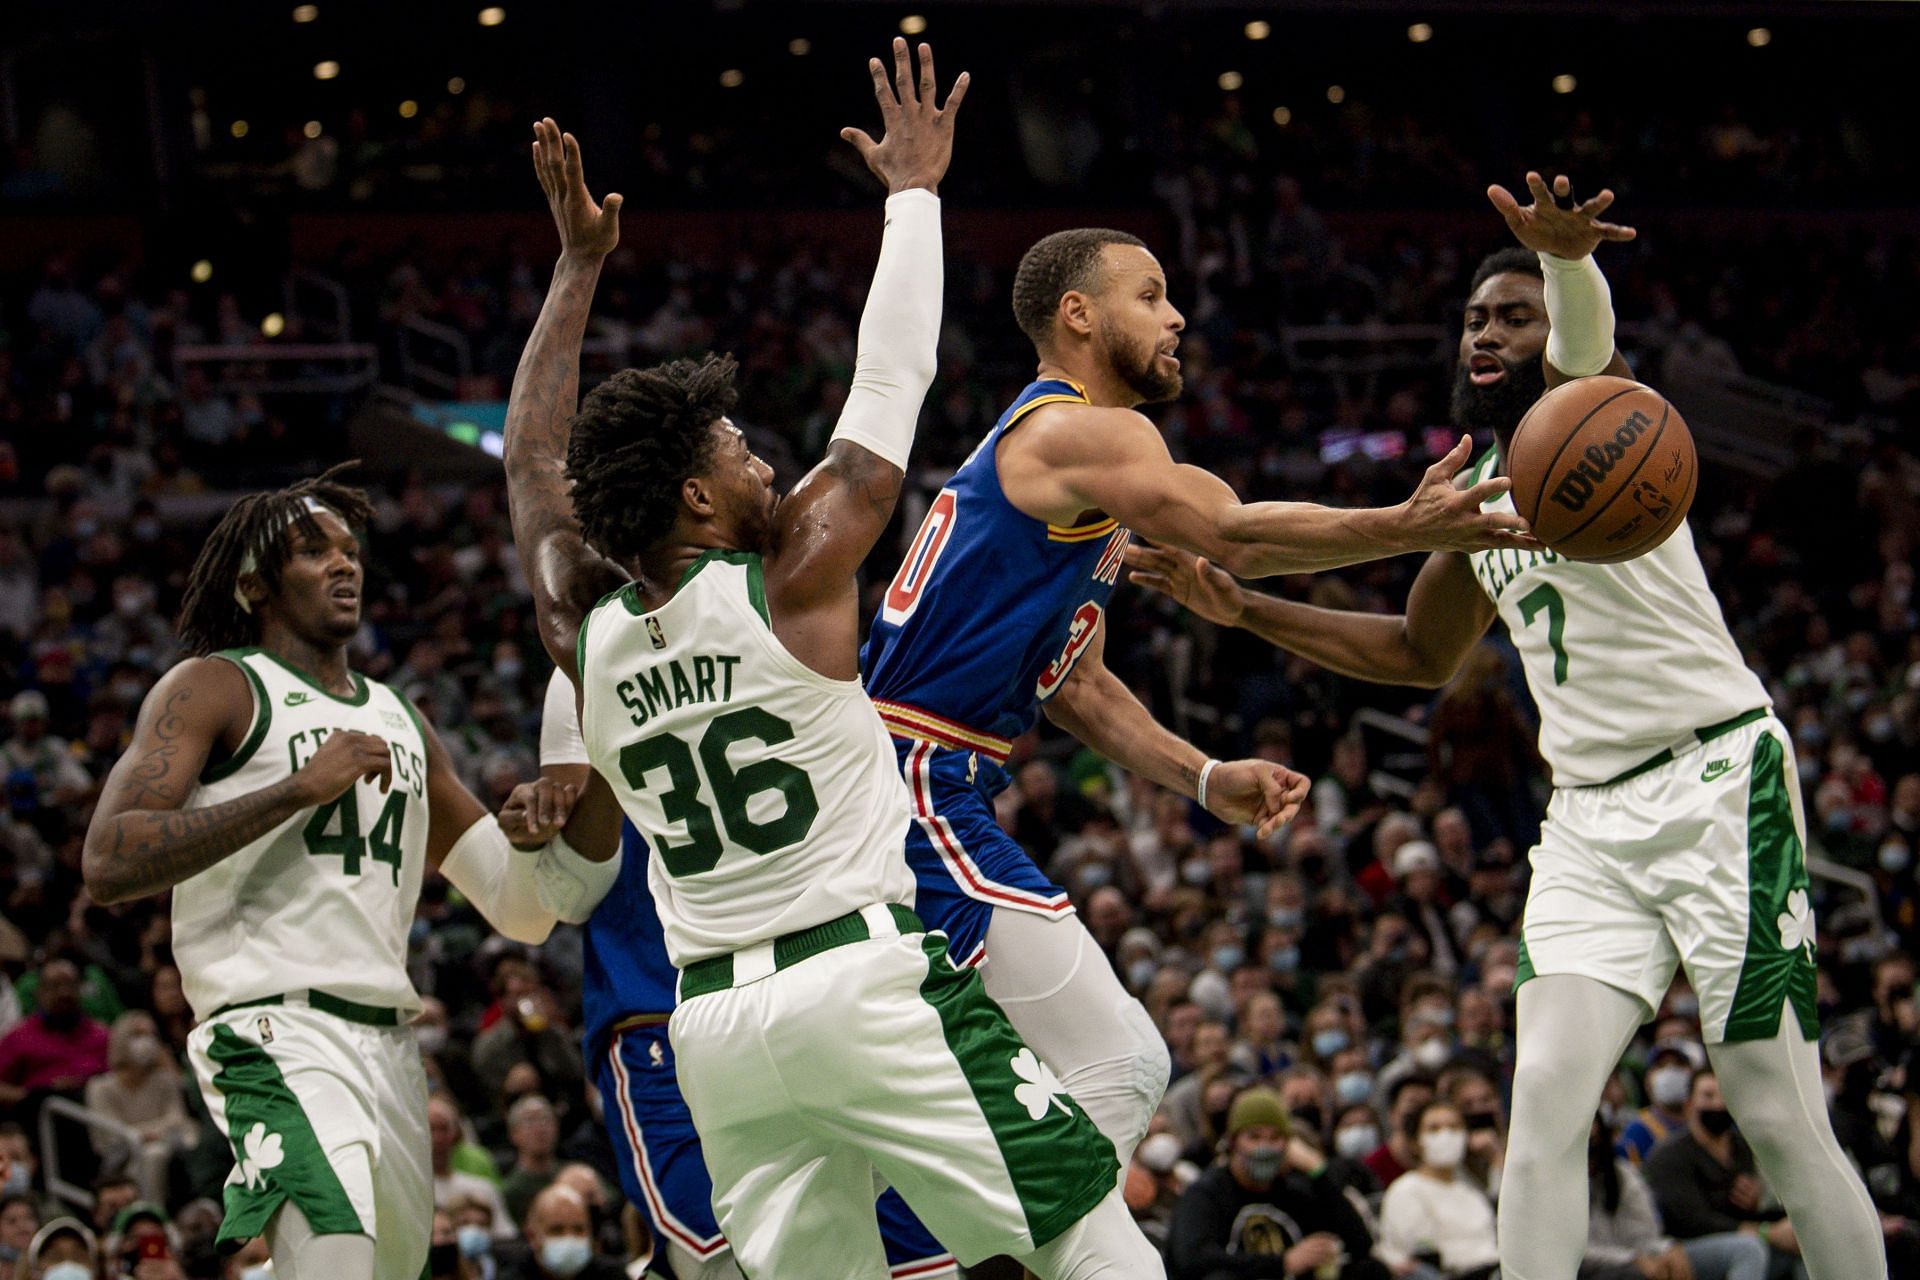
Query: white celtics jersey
(767, 792)
(1624, 660)
(323, 901)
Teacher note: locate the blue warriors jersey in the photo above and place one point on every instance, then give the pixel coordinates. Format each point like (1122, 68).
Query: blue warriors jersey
(628, 974)
(991, 608)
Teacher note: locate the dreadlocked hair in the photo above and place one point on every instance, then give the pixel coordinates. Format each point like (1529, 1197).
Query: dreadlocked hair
(636, 439)
(260, 524)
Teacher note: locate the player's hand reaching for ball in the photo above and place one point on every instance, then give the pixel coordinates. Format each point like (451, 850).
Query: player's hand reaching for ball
(346, 757)
(1255, 791)
(587, 230)
(1564, 230)
(1442, 516)
(536, 811)
(917, 144)
(1190, 581)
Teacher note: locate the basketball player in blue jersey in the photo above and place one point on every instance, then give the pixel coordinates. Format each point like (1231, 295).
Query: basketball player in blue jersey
(1675, 836)
(628, 995)
(996, 612)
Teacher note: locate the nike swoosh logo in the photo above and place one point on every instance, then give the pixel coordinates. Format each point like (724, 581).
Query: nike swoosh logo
(296, 698)
(1715, 769)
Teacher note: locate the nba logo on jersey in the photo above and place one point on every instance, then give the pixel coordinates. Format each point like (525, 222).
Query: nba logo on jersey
(265, 1027)
(655, 1056)
(655, 634)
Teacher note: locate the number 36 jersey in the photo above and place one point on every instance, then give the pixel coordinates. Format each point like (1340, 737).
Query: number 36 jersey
(324, 900)
(1624, 660)
(767, 791)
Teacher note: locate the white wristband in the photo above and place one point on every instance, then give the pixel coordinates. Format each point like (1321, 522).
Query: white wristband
(1206, 771)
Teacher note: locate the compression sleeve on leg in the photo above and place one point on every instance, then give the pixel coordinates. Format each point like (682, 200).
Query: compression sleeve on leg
(1580, 313)
(899, 331)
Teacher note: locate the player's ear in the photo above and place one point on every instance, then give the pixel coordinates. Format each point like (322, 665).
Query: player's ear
(697, 492)
(1075, 314)
(252, 590)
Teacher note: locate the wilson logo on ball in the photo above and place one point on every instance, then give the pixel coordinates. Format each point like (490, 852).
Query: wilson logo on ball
(1598, 462)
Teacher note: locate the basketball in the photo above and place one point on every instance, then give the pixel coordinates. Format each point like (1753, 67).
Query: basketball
(1603, 469)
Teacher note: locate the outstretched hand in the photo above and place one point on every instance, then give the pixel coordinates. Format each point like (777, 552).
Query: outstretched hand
(1547, 226)
(1188, 580)
(917, 144)
(587, 230)
(1441, 516)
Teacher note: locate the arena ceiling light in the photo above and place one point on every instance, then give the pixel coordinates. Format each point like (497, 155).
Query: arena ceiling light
(274, 325)
(799, 46)
(1420, 32)
(1336, 94)
(238, 128)
(1565, 84)
(311, 129)
(492, 16)
(913, 24)
(1283, 116)
(1258, 30)
(409, 109)
(1759, 37)
(456, 85)
(732, 78)
(1231, 80)
(201, 272)
(327, 70)
(305, 12)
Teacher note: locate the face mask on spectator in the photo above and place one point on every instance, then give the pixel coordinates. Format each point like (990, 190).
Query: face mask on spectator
(475, 1241)
(1667, 1086)
(1715, 1120)
(1228, 958)
(67, 1271)
(432, 1038)
(1894, 857)
(1478, 1121)
(143, 1050)
(1196, 872)
(1141, 972)
(1352, 1087)
(1264, 1163)
(18, 1178)
(1285, 918)
(261, 1272)
(1095, 874)
(1687, 1006)
(566, 1256)
(1431, 1055)
(1329, 1042)
(1283, 959)
(1357, 1142)
(1444, 1148)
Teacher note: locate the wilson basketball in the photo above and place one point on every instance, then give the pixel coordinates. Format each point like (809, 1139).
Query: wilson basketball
(1603, 469)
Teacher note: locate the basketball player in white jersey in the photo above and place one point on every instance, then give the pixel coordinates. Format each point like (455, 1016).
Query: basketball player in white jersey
(824, 1040)
(292, 805)
(1675, 836)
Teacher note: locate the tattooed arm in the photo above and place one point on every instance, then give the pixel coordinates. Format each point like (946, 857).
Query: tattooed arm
(567, 576)
(141, 841)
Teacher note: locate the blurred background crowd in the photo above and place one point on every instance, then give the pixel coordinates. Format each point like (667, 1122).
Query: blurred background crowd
(1343, 990)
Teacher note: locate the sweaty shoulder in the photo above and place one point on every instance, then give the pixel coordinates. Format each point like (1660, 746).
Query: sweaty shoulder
(1043, 461)
(212, 695)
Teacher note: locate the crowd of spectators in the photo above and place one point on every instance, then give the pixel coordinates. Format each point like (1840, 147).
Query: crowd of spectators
(1337, 999)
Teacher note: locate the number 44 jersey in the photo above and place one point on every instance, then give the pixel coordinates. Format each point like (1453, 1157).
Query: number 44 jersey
(767, 791)
(1624, 660)
(324, 900)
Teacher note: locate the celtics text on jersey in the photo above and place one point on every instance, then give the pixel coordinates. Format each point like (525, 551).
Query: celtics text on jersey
(324, 900)
(1623, 660)
(767, 791)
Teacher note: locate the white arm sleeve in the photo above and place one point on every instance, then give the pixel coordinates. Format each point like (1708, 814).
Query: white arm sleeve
(899, 331)
(499, 880)
(1580, 313)
(560, 740)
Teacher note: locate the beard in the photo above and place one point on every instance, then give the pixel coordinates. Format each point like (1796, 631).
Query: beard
(1136, 364)
(1499, 407)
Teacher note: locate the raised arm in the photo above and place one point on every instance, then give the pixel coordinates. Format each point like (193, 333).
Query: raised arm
(141, 840)
(832, 518)
(1579, 304)
(1446, 615)
(566, 575)
(1114, 460)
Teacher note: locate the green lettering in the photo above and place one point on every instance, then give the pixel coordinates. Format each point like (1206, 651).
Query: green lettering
(638, 713)
(682, 691)
(655, 688)
(703, 677)
(727, 660)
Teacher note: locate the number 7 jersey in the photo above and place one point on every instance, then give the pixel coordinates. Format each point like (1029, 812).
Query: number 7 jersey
(767, 791)
(1623, 660)
(324, 900)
